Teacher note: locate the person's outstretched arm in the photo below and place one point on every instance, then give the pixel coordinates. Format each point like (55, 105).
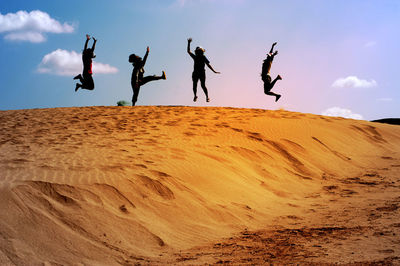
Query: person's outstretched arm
(94, 43)
(216, 72)
(272, 48)
(188, 47)
(146, 55)
(87, 40)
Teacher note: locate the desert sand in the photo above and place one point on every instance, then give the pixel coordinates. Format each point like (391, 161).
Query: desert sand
(185, 185)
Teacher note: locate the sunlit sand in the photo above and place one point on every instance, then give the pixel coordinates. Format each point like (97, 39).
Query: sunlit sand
(170, 185)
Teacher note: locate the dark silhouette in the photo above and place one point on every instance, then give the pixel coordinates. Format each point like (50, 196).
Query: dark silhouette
(86, 76)
(265, 76)
(391, 121)
(199, 72)
(137, 79)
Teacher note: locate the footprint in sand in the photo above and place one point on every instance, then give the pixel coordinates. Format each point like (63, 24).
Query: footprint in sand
(157, 187)
(338, 154)
(388, 208)
(141, 166)
(370, 132)
(237, 129)
(255, 136)
(189, 134)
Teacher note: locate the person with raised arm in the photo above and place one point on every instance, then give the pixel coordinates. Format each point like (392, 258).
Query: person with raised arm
(138, 78)
(265, 75)
(86, 77)
(199, 72)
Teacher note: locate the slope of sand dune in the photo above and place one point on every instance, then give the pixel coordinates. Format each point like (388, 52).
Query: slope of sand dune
(184, 185)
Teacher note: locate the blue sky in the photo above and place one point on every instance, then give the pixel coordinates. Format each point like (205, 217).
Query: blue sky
(336, 57)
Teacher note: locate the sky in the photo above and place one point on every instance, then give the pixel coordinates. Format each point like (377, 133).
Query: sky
(336, 57)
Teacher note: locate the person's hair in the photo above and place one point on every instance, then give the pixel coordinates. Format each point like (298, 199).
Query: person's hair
(199, 51)
(134, 58)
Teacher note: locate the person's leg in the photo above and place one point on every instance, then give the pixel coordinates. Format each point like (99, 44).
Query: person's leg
(275, 80)
(277, 96)
(135, 88)
(203, 86)
(268, 85)
(195, 79)
(87, 82)
(79, 76)
(78, 85)
(151, 78)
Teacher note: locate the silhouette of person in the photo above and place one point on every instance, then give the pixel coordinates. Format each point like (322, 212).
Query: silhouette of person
(86, 76)
(137, 79)
(266, 77)
(199, 72)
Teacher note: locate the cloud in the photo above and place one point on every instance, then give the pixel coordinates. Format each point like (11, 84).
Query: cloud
(342, 112)
(67, 63)
(385, 99)
(353, 82)
(34, 37)
(31, 27)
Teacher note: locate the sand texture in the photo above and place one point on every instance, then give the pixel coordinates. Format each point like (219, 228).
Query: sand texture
(184, 185)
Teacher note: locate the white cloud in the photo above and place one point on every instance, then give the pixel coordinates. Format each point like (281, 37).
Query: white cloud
(24, 26)
(67, 63)
(385, 99)
(353, 82)
(342, 112)
(100, 68)
(29, 36)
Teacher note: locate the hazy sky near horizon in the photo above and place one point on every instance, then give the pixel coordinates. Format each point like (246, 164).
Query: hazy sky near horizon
(336, 57)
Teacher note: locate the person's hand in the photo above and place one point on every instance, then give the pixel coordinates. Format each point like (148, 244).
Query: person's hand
(276, 52)
(87, 36)
(94, 39)
(190, 40)
(274, 43)
(216, 72)
(148, 49)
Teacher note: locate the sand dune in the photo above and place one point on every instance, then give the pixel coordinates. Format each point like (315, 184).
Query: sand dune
(185, 185)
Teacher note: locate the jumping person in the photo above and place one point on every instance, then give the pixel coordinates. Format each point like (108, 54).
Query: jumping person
(199, 72)
(266, 77)
(87, 56)
(137, 79)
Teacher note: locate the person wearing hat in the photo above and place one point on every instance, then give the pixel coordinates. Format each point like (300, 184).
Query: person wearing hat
(86, 77)
(138, 79)
(199, 72)
(266, 77)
